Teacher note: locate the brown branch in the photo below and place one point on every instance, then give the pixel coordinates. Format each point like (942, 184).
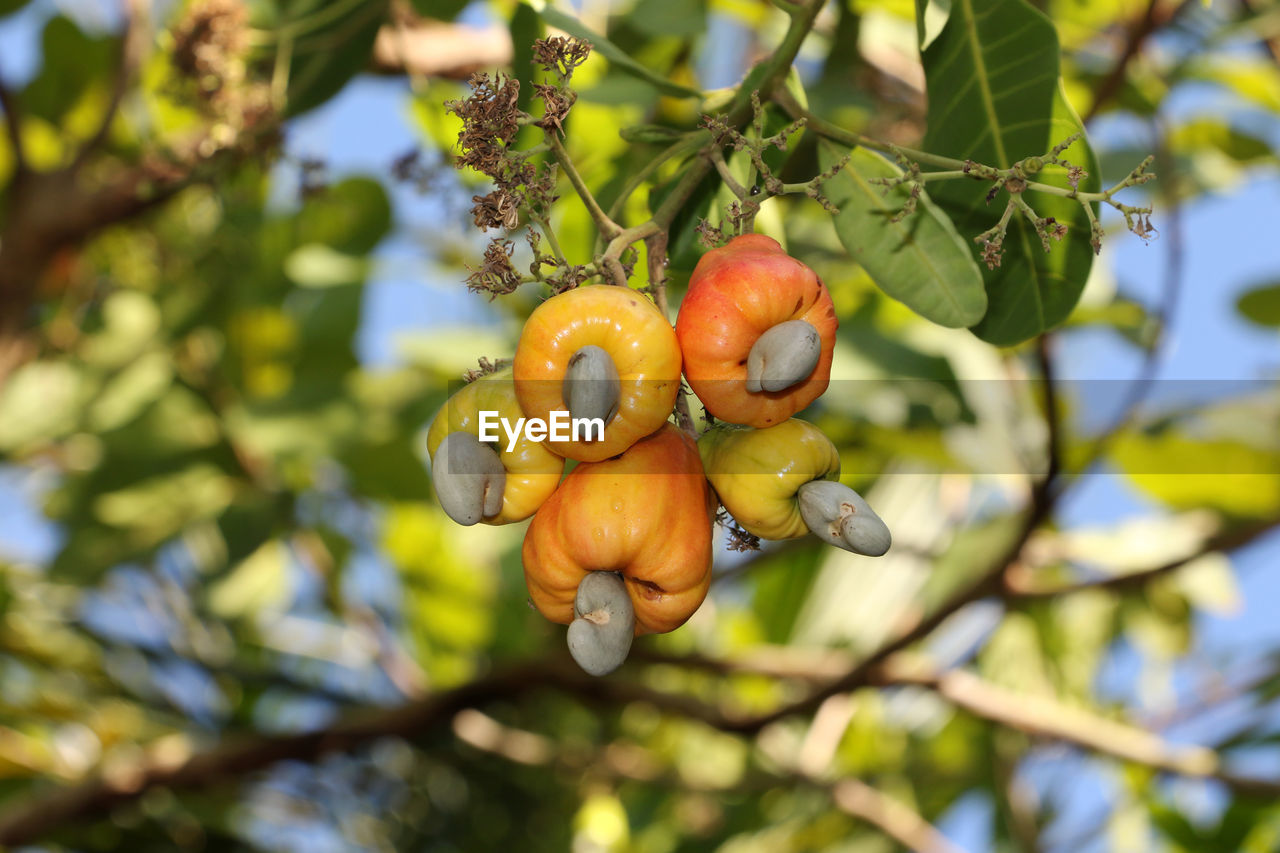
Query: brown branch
(1052, 413)
(896, 820)
(132, 50)
(1270, 42)
(989, 583)
(656, 259)
(1019, 587)
(51, 211)
(1139, 388)
(232, 761)
(432, 49)
(1041, 716)
(13, 128)
(1153, 17)
(629, 761)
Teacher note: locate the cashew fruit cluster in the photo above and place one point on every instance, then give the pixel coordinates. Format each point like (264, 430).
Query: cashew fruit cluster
(621, 546)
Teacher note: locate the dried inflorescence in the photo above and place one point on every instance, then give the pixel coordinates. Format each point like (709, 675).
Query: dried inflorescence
(210, 48)
(490, 121)
(486, 366)
(560, 55)
(209, 44)
(709, 236)
(736, 538)
(498, 209)
(558, 102)
(992, 248)
(495, 275)
(568, 278)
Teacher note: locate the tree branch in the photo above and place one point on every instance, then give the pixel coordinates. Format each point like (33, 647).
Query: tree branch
(1153, 17)
(894, 819)
(132, 49)
(1140, 386)
(1041, 716)
(1020, 587)
(432, 49)
(13, 128)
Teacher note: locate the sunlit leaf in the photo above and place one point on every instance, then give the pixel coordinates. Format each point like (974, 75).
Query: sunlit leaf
(73, 63)
(995, 98)
(1261, 305)
(262, 581)
(920, 260)
(609, 50)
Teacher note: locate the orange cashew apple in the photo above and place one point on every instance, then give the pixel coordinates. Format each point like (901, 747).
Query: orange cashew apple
(645, 515)
(783, 482)
(476, 481)
(598, 352)
(757, 330)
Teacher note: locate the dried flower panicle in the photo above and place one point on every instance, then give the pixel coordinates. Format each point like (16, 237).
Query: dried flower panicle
(709, 236)
(490, 121)
(558, 102)
(486, 366)
(209, 44)
(992, 248)
(737, 539)
(312, 178)
(210, 50)
(568, 278)
(495, 276)
(560, 55)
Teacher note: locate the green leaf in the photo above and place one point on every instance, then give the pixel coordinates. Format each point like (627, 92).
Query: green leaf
(8, 7)
(1205, 133)
(1186, 473)
(73, 62)
(931, 17)
(931, 381)
(42, 401)
(260, 582)
(1254, 81)
(666, 18)
(1261, 305)
(317, 265)
(920, 260)
(995, 98)
(610, 51)
(350, 216)
(324, 58)
(782, 585)
(525, 29)
(440, 10)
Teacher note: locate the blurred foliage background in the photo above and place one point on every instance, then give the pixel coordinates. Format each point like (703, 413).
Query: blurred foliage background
(232, 263)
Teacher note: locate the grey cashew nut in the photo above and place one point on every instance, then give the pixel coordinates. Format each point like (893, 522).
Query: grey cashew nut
(469, 478)
(603, 625)
(783, 356)
(591, 385)
(838, 515)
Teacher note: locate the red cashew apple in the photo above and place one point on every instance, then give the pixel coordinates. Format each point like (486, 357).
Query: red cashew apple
(757, 330)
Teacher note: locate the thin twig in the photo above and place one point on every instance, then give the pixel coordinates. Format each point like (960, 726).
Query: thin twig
(1018, 587)
(13, 127)
(1042, 716)
(1139, 31)
(133, 43)
(1140, 387)
(890, 816)
(607, 227)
